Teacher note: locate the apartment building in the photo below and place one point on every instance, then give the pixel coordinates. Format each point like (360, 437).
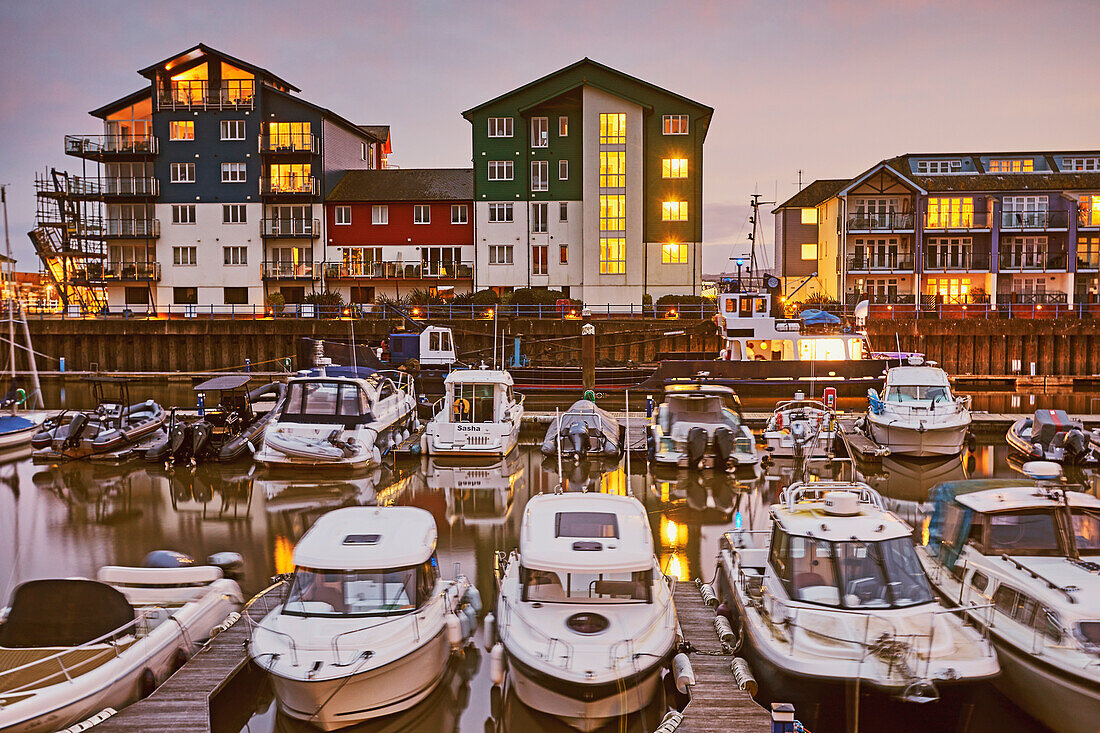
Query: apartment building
(949, 228)
(208, 188)
(589, 181)
(393, 231)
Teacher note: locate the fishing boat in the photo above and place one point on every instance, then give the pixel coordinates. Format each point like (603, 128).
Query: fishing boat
(1050, 435)
(368, 625)
(700, 426)
(71, 647)
(479, 416)
(585, 616)
(339, 417)
(1022, 559)
(116, 428)
(833, 593)
(231, 429)
(801, 427)
(582, 431)
(917, 414)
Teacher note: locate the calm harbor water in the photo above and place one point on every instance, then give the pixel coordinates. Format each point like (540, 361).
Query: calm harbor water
(71, 518)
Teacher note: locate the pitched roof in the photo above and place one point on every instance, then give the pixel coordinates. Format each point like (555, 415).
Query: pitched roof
(815, 193)
(351, 126)
(984, 181)
(129, 99)
(405, 184)
(201, 49)
(382, 133)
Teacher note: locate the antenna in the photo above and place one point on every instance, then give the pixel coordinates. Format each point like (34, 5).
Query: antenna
(754, 219)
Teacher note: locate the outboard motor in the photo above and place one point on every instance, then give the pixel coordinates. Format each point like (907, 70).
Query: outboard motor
(200, 438)
(577, 436)
(76, 428)
(696, 446)
(167, 559)
(723, 444)
(231, 563)
(1075, 445)
(178, 441)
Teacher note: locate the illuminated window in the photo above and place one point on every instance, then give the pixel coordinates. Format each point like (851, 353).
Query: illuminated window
(612, 256)
(675, 124)
(1089, 211)
(540, 175)
(539, 258)
(1012, 165)
(459, 214)
(945, 213)
(674, 253)
(232, 129)
(500, 213)
(500, 127)
(380, 214)
(422, 214)
(291, 178)
(674, 168)
(181, 130)
(674, 210)
(563, 126)
(563, 170)
(540, 132)
(612, 169)
(826, 349)
(343, 215)
(612, 129)
(949, 289)
(563, 253)
(809, 216)
(183, 172)
(500, 254)
(1081, 164)
(289, 136)
(233, 172)
(612, 213)
(809, 251)
(500, 170)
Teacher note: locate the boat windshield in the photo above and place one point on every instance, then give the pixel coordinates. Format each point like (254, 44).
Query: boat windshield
(1027, 532)
(360, 592)
(916, 392)
(546, 586)
(317, 398)
(854, 574)
(701, 409)
(1086, 531)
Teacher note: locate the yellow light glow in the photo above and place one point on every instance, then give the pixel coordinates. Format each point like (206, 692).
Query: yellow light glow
(613, 482)
(950, 212)
(924, 531)
(809, 216)
(674, 253)
(674, 168)
(821, 349)
(674, 210)
(283, 555)
(670, 531)
(676, 565)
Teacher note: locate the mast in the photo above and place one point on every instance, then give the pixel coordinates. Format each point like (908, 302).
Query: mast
(754, 219)
(9, 275)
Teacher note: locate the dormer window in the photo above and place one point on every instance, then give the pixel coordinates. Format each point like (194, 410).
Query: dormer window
(939, 166)
(1091, 163)
(1011, 165)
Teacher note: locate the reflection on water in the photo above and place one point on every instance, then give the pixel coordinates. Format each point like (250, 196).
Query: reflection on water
(71, 518)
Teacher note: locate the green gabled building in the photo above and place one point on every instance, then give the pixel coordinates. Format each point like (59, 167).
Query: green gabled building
(590, 181)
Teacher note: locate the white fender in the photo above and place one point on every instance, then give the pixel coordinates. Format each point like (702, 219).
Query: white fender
(454, 631)
(490, 629)
(496, 664)
(685, 675)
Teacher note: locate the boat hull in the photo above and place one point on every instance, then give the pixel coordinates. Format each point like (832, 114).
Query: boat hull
(919, 441)
(508, 442)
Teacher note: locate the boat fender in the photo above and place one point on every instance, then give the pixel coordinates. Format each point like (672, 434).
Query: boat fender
(147, 682)
(496, 664)
(473, 597)
(724, 630)
(671, 722)
(1037, 450)
(471, 622)
(706, 590)
(685, 675)
(490, 629)
(375, 455)
(179, 659)
(454, 631)
(742, 675)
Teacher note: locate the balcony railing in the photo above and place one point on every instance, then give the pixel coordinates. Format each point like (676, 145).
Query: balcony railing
(957, 220)
(1034, 220)
(1051, 298)
(307, 228)
(289, 142)
(1088, 259)
(880, 261)
(291, 271)
(100, 146)
(880, 221)
(1088, 217)
(884, 298)
(129, 186)
(289, 186)
(932, 301)
(103, 272)
(131, 228)
(1033, 260)
(233, 94)
(399, 270)
(962, 261)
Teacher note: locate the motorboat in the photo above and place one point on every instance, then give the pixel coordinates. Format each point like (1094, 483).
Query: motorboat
(1022, 560)
(1050, 435)
(585, 616)
(583, 431)
(479, 415)
(368, 625)
(17, 428)
(232, 428)
(340, 417)
(833, 593)
(800, 427)
(700, 426)
(917, 414)
(114, 428)
(71, 647)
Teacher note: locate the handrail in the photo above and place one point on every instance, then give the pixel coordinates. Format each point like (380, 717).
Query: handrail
(816, 489)
(552, 642)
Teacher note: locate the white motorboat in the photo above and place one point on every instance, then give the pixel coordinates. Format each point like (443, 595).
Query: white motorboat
(477, 496)
(800, 427)
(1022, 559)
(340, 417)
(368, 625)
(70, 648)
(1050, 435)
(700, 425)
(834, 593)
(917, 414)
(585, 616)
(479, 415)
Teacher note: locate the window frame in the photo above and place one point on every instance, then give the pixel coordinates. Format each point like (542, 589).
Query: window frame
(540, 259)
(677, 256)
(239, 253)
(682, 126)
(462, 210)
(422, 209)
(505, 208)
(227, 218)
(174, 127)
(232, 168)
(506, 127)
(179, 250)
(540, 217)
(674, 211)
(226, 128)
(175, 169)
(341, 215)
(563, 211)
(495, 252)
(177, 209)
(563, 125)
(380, 214)
(540, 176)
(540, 138)
(803, 251)
(563, 170)
(674, 168)
(501, 170)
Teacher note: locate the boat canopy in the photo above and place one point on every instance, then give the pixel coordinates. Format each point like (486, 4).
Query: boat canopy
(1048, 423)
(63, 613)
(948, 531)
(224, 382)
(479, 376)
(813, 316)
(586, 413)
(600, 533)
(366, 538)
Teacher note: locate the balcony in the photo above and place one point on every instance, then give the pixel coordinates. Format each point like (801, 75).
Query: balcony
(290, 228)
(291, 271)
(958, 261)
(232, 94)
(131, 228)
(1088, 259)
(1088, 217)
(892, 221)
(292, 143)
(1033, 220)
(289, 186)
(102, 147)
(106, 272)
(1036, 259)
(957, 221)
(1051, 298)
(129, 187)
(880, 262)
(399, 271)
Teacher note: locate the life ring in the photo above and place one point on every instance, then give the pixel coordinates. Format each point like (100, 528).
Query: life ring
(461, 407)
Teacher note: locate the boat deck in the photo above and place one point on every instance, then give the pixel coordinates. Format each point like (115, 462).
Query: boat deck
(716, 702)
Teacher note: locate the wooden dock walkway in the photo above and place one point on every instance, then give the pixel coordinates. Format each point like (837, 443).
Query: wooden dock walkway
(182, 703)
(716, 702)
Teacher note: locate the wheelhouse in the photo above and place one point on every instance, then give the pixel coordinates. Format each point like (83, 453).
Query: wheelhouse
(478, 396)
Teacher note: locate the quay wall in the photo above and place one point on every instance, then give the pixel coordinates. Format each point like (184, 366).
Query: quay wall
(970, 346)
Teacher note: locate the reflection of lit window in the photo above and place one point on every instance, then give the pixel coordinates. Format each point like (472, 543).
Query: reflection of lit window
(674, 210)
(284, 555)
(670, 532)
(675, 564)
(673, 253)
(809, 216)
(614, 483)
(821, 349)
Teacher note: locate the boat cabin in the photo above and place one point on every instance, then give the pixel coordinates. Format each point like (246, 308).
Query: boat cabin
(365, 561)
(912, 384)
(586, 548)
(699, 404)
(477, 396)
(336, 399)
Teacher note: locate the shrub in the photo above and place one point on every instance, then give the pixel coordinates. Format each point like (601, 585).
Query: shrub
(275, 300)
(817, 300)
(481, 297)
(531, 296)
(677, 300)
(324, 298)
(423, 297)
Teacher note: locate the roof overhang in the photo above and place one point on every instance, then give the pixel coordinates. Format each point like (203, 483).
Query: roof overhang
(198, 51)
(115, 106)
(880, 167)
